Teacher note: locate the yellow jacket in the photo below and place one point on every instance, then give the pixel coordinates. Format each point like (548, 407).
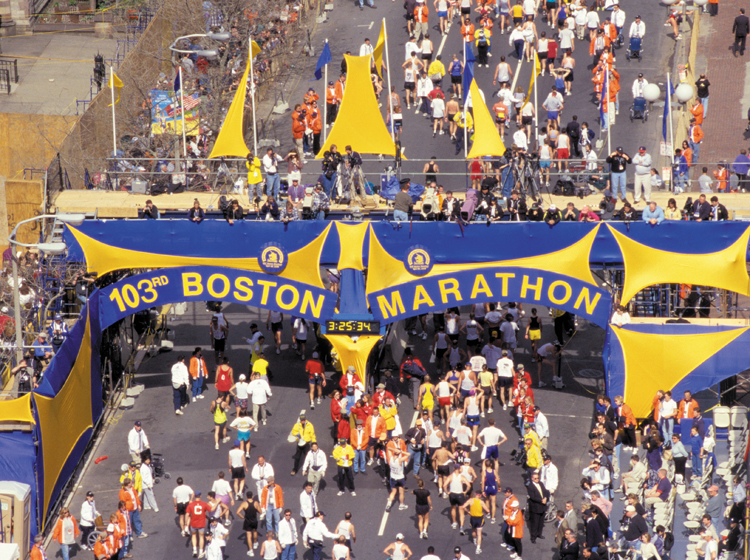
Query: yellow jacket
(307, 433)
(534, 458)
(388, 413)
(459, 121)
(135, 477)
(253, 172)
(343, 455)
(436, 67)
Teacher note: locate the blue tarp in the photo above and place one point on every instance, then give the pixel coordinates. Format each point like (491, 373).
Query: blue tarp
(18, 463)
(393, 187)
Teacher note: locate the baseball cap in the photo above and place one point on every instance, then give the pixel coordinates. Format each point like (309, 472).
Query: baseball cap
(619, 149)
(417, 423)
(380, 386)
(330, 83)
(236, 443)
(315, 356)
(399, 537)
(342, 440)
(630, 508)
(404, 181)
(132, 463)
(90, 494)
(242, 377)
(360, 421)
(640, 75)
(519, 366)
(508, 490)
(552, 207)
(138, 423)
(197, 493)
(351, 368)
(457, 549)
(642, 149)
(58, 316)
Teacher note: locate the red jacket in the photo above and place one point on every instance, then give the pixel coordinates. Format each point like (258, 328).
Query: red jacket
(298, 129)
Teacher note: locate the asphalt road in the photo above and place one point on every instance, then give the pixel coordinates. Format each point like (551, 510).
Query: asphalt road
(347, 27)
(187, 445)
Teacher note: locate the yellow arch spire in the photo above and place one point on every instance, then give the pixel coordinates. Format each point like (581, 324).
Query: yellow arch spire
(487, 141)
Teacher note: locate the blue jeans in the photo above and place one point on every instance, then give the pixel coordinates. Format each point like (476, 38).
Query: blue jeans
(177, 397)
(360, 459)
(417, 456)
(197, 386)
(697, 465)
(617, 450)
(321, 215)
(273, 183)
(400, 216)
(704, 102)
(619, 181)
(695, 148)
(369, 3)
(135, 521)
(253, 191)
(519, 45)
(127, 545)
(667, 427)
(272, 519)
(65, 549)
(288, 552)
(680, 180)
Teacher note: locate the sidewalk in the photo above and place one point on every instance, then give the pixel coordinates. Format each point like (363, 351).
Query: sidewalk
(724, 128)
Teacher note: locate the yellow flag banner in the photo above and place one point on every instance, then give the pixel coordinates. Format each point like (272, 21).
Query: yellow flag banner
(255, 49)
(377, 52)
(487, 141)
(231, 139)
(537, 70)
(116, 83)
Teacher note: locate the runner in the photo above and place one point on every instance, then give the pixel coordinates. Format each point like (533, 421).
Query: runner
(219, 409)
(490, 485)
(195, 517)
(471, 410)
(457, 485)
(423, 508)
(249, 510)
(219, 333)
(240, 393)
(224, 379)
(238, 465)
(476, 507)
(345, 529)
(316, 376)
(275, 323)
(398, 550)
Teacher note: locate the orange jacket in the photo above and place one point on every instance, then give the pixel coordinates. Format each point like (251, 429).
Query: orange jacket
(298, 129)
(379, 431)
(625, 411)
(515, 521)
(340, 90)
(606, 41)
(331, 95)
(687, 409)
(314, 122)
(467, 31)
(310, 97)
(392, 448)
(194, 367)
(696, 133)
(655, 404)
(122, 524)
(36, 553)
(610, 31)
(57, 532)
(102, 551)
(359, 441)
(697, 112)
(131, 499)
(420, 14)
(278, 495)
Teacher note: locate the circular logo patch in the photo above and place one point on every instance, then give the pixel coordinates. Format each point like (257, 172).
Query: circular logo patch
(273, 258)
(418, 260)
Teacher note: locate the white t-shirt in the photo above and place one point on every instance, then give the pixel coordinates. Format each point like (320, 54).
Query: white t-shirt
(566, 39)
(667, 408)
(243, 424)
(477, 362)
(491, 435)
(493, 317)
(241, 389)
(492, 354)
(545, 350)
(505, 367)
(221, 487)
(301, 327)
(235, 457)
(182, 494)
(508, 332)
(397, 469)
(438, 108)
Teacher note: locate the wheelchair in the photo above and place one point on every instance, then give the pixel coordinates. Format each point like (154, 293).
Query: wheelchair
(639, 109)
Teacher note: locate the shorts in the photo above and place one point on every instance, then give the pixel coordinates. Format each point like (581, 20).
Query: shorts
(517, 20)
(427, 56)
(437, 119)
(492, 452)
(535, 334)
(552, 115)
(455, 79)
(542, 55)
(372, 442)
(569, 77)
(504, 13)
(409, 86)
(472, 421)
(476, 522)
(238, 473)
(465, 11)
(398, 483)
(243, 436)
(551, 5)
(197, 529)
(219, 344)
(444, 470)
(277, 327)
(456, 499)
(220, 426)
(527, 120)
(316, 380)
(563, 153)
(250, 525)
(500, 120)
(181, 508)
(444, 401)
(422, 510)
(410, 15)
(545, 164)
(504, 381)
(242, 403)
(487, 390)
(454, 338)
(223, 394)
(465, 393)
(442, 14)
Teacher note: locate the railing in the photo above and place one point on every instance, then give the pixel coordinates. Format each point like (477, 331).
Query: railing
(12, 66)
(5, 80)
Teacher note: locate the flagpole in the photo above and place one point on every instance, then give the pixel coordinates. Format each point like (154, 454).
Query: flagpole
(466, 123)
(182, 105)
(252, 97)
(609, 124)
(112, 91)
(388, 71)
(536, 102)
(671, 128)
(325, 89)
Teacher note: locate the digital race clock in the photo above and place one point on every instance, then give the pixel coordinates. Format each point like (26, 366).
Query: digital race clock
(352, 327)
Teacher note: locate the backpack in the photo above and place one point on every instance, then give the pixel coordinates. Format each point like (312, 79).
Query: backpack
(564, 188)
(414, 369)
(483, 42)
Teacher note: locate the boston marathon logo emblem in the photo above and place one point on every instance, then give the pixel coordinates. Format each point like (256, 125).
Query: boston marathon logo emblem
(418, 260)
(273, 258)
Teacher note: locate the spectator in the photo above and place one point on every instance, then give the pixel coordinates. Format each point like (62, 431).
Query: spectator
(701, 89)
(588, 215)
(552, 216)
(695, 137)
(270, 209)
(701, 209)
(150, 212)
(570, 214)
(233, 212)
(196, 213)
(320, 203)
(680, 172)
(672, 212)
(254, 179)
(642, 162)
(705, 182)
(740, 167)
(653, 214)
(618, 161)
(289, 213)
(270, 167)
(722, 177)
(718, 211)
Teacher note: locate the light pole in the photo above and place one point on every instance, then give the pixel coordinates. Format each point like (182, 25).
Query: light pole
(57, 248)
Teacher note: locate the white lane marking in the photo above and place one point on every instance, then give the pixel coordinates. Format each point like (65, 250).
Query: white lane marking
(414, 419)
(382, 524)
(371, 24)
(442, 44)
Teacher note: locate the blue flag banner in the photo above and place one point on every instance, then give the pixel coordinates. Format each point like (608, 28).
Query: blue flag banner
(605, 97)
(177, 81)
(325, 58)
(667, 108)
(468, 70)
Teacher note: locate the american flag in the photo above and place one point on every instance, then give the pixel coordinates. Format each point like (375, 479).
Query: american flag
(192, 101)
